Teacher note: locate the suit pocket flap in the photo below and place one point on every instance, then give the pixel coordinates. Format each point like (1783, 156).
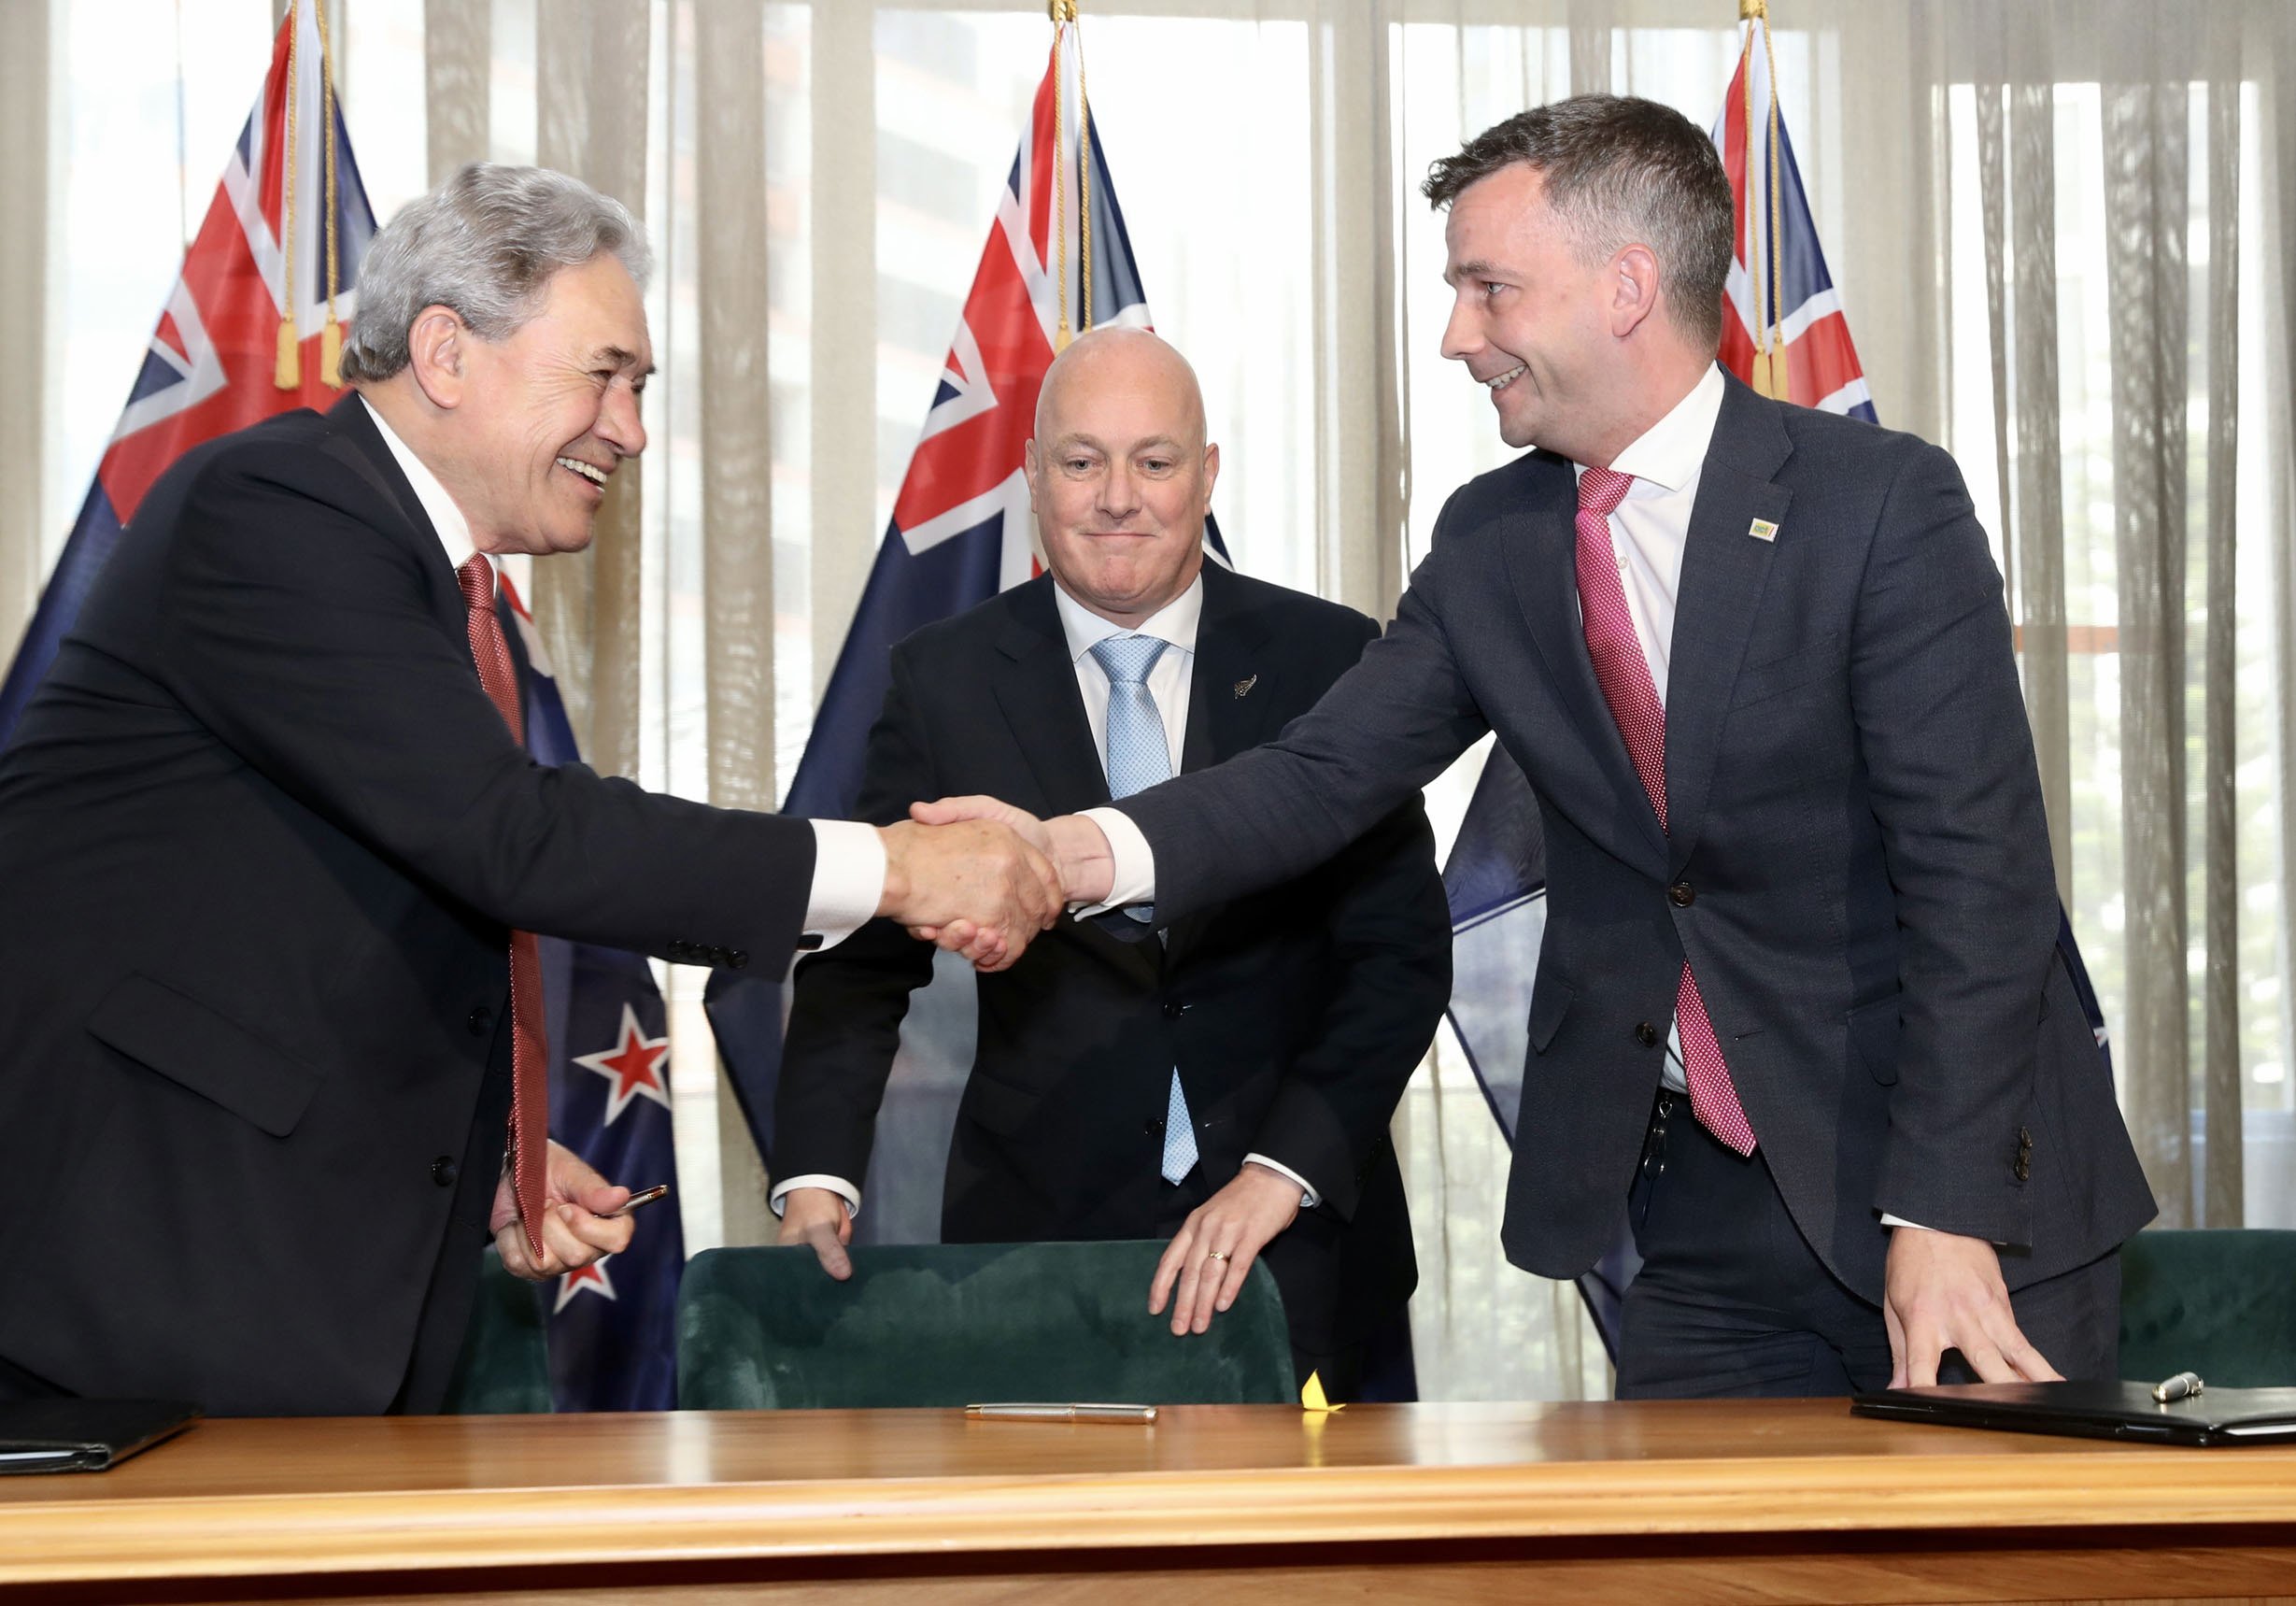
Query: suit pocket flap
(1550, 1001)
(189, 1044)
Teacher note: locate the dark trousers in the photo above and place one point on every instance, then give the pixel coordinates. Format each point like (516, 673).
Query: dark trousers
(1732, 1301)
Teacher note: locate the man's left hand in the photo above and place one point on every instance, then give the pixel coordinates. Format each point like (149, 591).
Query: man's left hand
(575, 1228)
(1943, 1291)
(1212, 1252)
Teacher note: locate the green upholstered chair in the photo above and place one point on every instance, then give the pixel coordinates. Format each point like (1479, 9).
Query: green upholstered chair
(935, 1324)
(504, 1367)
(2219, 1303)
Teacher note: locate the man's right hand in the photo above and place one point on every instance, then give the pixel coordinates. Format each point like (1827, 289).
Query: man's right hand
(818, 1217)
(1076, 847)
(976, 873)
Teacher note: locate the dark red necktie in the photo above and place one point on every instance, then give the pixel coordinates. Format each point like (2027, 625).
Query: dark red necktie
(529, 1048)
(1625, 676)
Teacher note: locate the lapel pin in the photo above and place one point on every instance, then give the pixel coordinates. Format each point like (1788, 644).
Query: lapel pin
(1762, 530)
(1244, 686)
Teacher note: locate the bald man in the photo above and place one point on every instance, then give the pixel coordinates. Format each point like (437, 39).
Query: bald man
(1228, 1087)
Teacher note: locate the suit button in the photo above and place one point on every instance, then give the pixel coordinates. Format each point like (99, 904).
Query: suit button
(480, 1021)
(2024, 1140)
(2024, 1169)
(1647, 1034)
(1173, 1008)
(737, 957)
(442, 1171)
(1680, 895)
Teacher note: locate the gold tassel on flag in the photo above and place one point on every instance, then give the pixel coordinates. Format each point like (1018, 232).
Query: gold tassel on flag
(288, 373)
(330, 333)
(1770, 374)
(1063, 14)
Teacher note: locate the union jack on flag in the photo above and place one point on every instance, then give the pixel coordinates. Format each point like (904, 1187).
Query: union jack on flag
(961, 529)
(1779, 303)
(212, 363)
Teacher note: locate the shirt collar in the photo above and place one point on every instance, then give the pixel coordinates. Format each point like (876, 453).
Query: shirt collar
(453, 530)
(1174, 623)
(1671, 451)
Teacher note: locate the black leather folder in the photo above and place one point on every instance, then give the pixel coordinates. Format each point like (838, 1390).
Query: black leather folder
(2215, 1419)
(85, 1435)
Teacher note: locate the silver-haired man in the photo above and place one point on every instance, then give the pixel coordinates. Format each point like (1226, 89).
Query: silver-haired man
(272, 857)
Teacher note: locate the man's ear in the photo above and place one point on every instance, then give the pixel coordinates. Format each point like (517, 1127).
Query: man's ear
(1032, 466)
(438, 355)
(1212, 471)
(1634, 294)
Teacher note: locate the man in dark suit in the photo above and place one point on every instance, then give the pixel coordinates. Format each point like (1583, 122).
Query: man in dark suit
(1228, 1087)
(271, 856)
(1799, 1015)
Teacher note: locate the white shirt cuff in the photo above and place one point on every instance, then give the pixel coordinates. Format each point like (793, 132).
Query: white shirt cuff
(836, 1185)
(1888, 1220)
(1131, 862)
(848, 880)
(1309, 1197)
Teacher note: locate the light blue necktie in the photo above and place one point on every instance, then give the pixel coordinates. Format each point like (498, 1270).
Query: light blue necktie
(1139, 756)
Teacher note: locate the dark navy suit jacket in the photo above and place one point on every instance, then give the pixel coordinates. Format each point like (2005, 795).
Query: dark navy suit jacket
(1857, 870)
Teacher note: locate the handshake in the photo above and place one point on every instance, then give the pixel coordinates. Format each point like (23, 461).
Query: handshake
(982, 878)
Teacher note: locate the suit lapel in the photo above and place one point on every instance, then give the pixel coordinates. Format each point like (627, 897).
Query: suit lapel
(1541, 548)
(1725, 568)
(364, 449)
(1232, 698)
(1034, 683)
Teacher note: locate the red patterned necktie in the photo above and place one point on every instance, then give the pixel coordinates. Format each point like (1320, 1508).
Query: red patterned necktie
(1625, 676)
(529, 1049)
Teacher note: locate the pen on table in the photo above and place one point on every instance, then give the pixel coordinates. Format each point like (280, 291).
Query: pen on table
(1030, 1412)
(2184, 1385)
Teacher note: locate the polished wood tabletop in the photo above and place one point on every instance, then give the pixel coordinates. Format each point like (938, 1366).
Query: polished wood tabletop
(372, 1495)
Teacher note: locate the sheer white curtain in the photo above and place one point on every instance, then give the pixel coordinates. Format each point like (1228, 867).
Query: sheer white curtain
(2056, 229)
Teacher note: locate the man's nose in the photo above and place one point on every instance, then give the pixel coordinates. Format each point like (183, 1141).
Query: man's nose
(1462, 335)
(619, 424)
(1118, 493)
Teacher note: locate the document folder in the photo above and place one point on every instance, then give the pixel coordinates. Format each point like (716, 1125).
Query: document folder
(85, 1435)
(2210, 1419)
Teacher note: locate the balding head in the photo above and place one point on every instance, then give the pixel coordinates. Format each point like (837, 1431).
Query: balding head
(1120, 473)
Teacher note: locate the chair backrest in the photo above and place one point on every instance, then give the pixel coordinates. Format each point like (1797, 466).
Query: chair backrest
(952, 1324)
(504, 1367)
(2221, 1303)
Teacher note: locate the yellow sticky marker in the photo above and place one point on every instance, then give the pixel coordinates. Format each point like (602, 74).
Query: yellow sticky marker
(1762, 530)
(1311, 1397)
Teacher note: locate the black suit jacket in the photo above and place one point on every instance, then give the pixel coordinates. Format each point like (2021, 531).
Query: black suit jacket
(1858, 871)
(262, 837)
(1294, 1017)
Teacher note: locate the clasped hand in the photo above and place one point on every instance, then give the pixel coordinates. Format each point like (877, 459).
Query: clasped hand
(983, 877)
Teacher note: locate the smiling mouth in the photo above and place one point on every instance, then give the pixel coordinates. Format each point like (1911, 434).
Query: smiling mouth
(1500, 381)
(590, 472)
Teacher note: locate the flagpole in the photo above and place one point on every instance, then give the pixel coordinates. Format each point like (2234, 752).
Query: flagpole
(330, 333)
(287, 371)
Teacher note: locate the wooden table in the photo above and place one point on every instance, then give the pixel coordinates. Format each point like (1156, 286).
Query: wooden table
(1644, 1502)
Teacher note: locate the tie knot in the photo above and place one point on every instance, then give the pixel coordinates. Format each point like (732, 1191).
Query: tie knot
(1127, 658)
(477, 577)
(1601, 489)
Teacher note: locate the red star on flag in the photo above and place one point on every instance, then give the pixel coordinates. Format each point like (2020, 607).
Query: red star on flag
(592, 1277)
(633, 1065)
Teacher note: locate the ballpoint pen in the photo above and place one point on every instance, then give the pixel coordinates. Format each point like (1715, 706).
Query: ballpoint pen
(1051, 1411)
(2182, 1387)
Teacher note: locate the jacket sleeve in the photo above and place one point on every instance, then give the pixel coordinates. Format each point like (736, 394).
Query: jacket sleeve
(1385, 728)
(848, 1003)
(310, 642)
(1390, 927)
(1955, 789)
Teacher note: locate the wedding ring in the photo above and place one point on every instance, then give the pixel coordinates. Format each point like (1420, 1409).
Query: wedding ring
(1215, 1253)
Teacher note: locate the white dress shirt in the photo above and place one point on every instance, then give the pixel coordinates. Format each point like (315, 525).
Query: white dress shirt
(848, 858)
(1168, 682)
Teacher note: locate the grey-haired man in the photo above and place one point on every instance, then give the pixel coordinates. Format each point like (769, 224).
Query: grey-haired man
(271, 857)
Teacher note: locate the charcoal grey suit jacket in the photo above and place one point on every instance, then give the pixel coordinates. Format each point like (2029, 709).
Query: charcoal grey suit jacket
(1857, 870)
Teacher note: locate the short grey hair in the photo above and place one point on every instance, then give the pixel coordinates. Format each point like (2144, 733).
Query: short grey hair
(485, 243)
(1618, 171)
